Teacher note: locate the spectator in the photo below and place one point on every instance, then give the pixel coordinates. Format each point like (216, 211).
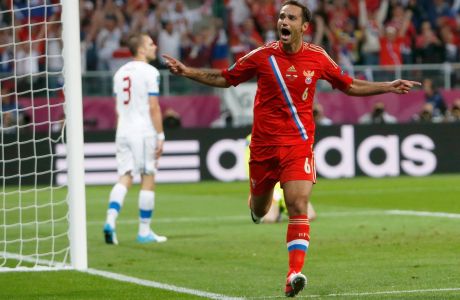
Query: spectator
(220, 48)
(269, 32)
(171, 119)
(393, 39)
(425, 115)
(371, 24)
(138, 18)
(390, 50)
(434, 97)
(6, 49)
(12, 116)
(169, 40)
(429, 47)
(55, 61)
(263, 12)
(245, 39)
(154, 19)
(88, 32)
(225, 120)
(318, 114)
(453, 114)
(27, 64)
(451, 44)
(108, 40)
(197, 52)
(58, 124)
(347, 46)
(439, 12)
(378, 115)
(401, 20)
(338, 15)
(317, 32)
(456, 7)
(184, 18)
(238, 13)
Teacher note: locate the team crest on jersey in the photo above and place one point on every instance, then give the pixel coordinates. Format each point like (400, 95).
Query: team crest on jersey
(309, 76)
(291, 73)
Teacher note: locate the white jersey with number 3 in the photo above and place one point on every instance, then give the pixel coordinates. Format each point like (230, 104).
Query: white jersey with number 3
(133, 83)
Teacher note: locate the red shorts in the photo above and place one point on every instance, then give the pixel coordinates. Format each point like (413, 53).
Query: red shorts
(270, 164)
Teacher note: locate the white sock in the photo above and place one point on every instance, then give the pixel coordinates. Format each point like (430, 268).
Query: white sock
(146, 206)
(117, 196)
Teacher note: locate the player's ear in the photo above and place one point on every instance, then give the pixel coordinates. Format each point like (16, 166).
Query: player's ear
(305, 26)
(141, 50)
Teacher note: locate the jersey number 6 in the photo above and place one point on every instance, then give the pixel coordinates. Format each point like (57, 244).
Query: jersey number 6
(127, 89)
(307, 166)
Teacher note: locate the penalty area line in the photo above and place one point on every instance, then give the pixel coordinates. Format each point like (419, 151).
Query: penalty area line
(158, 285)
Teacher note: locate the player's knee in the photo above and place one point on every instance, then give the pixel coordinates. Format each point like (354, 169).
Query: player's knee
(126, 180)
(260, 205)
(297, 206)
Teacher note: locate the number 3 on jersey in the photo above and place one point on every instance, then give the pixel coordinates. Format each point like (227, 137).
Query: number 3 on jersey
(127, 89)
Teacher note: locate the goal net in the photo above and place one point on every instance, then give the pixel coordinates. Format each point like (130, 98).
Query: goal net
(35, 212)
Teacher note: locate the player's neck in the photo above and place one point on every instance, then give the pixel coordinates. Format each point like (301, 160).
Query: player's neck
(140, 58)
(291, 48)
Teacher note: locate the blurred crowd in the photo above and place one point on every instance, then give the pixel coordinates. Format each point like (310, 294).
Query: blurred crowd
(214, 33)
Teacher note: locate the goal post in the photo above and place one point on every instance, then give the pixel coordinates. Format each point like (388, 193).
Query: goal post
(74, 116)
(42, 221)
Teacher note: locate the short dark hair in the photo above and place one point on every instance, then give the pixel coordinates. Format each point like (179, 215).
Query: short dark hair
(135, 41)
(306, 13)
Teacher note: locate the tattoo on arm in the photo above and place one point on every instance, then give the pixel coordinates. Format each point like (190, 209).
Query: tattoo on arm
(212, 77)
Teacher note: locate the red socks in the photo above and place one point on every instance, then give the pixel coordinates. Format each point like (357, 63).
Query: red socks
(297, 240)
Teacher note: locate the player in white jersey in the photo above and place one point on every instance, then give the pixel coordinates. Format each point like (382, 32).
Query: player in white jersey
(139, 138)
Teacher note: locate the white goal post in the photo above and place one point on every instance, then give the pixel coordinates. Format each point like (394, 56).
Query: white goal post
(42, 223)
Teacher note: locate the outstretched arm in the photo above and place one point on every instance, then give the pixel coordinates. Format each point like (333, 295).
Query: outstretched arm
(212, 77)
(368, 88)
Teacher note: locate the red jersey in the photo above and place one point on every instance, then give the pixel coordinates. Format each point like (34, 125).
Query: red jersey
(286, 84)
(390, 51)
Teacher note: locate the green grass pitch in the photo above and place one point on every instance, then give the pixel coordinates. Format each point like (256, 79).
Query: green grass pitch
(365, 244)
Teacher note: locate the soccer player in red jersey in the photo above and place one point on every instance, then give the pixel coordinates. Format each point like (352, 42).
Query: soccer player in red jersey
(283, 132)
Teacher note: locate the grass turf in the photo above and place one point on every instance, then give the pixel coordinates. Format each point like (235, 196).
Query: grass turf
(356, 245)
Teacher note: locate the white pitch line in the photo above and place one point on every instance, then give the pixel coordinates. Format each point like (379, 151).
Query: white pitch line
(159, 285)
(423, 214)
(322, 215)
(365, 293)
(110, 275)
(364, 192)
(396, 292)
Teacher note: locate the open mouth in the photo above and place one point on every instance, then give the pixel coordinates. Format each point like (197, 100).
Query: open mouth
(285, 33)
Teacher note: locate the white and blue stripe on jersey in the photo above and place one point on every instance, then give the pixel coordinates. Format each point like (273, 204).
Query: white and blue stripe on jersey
(287, 97)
